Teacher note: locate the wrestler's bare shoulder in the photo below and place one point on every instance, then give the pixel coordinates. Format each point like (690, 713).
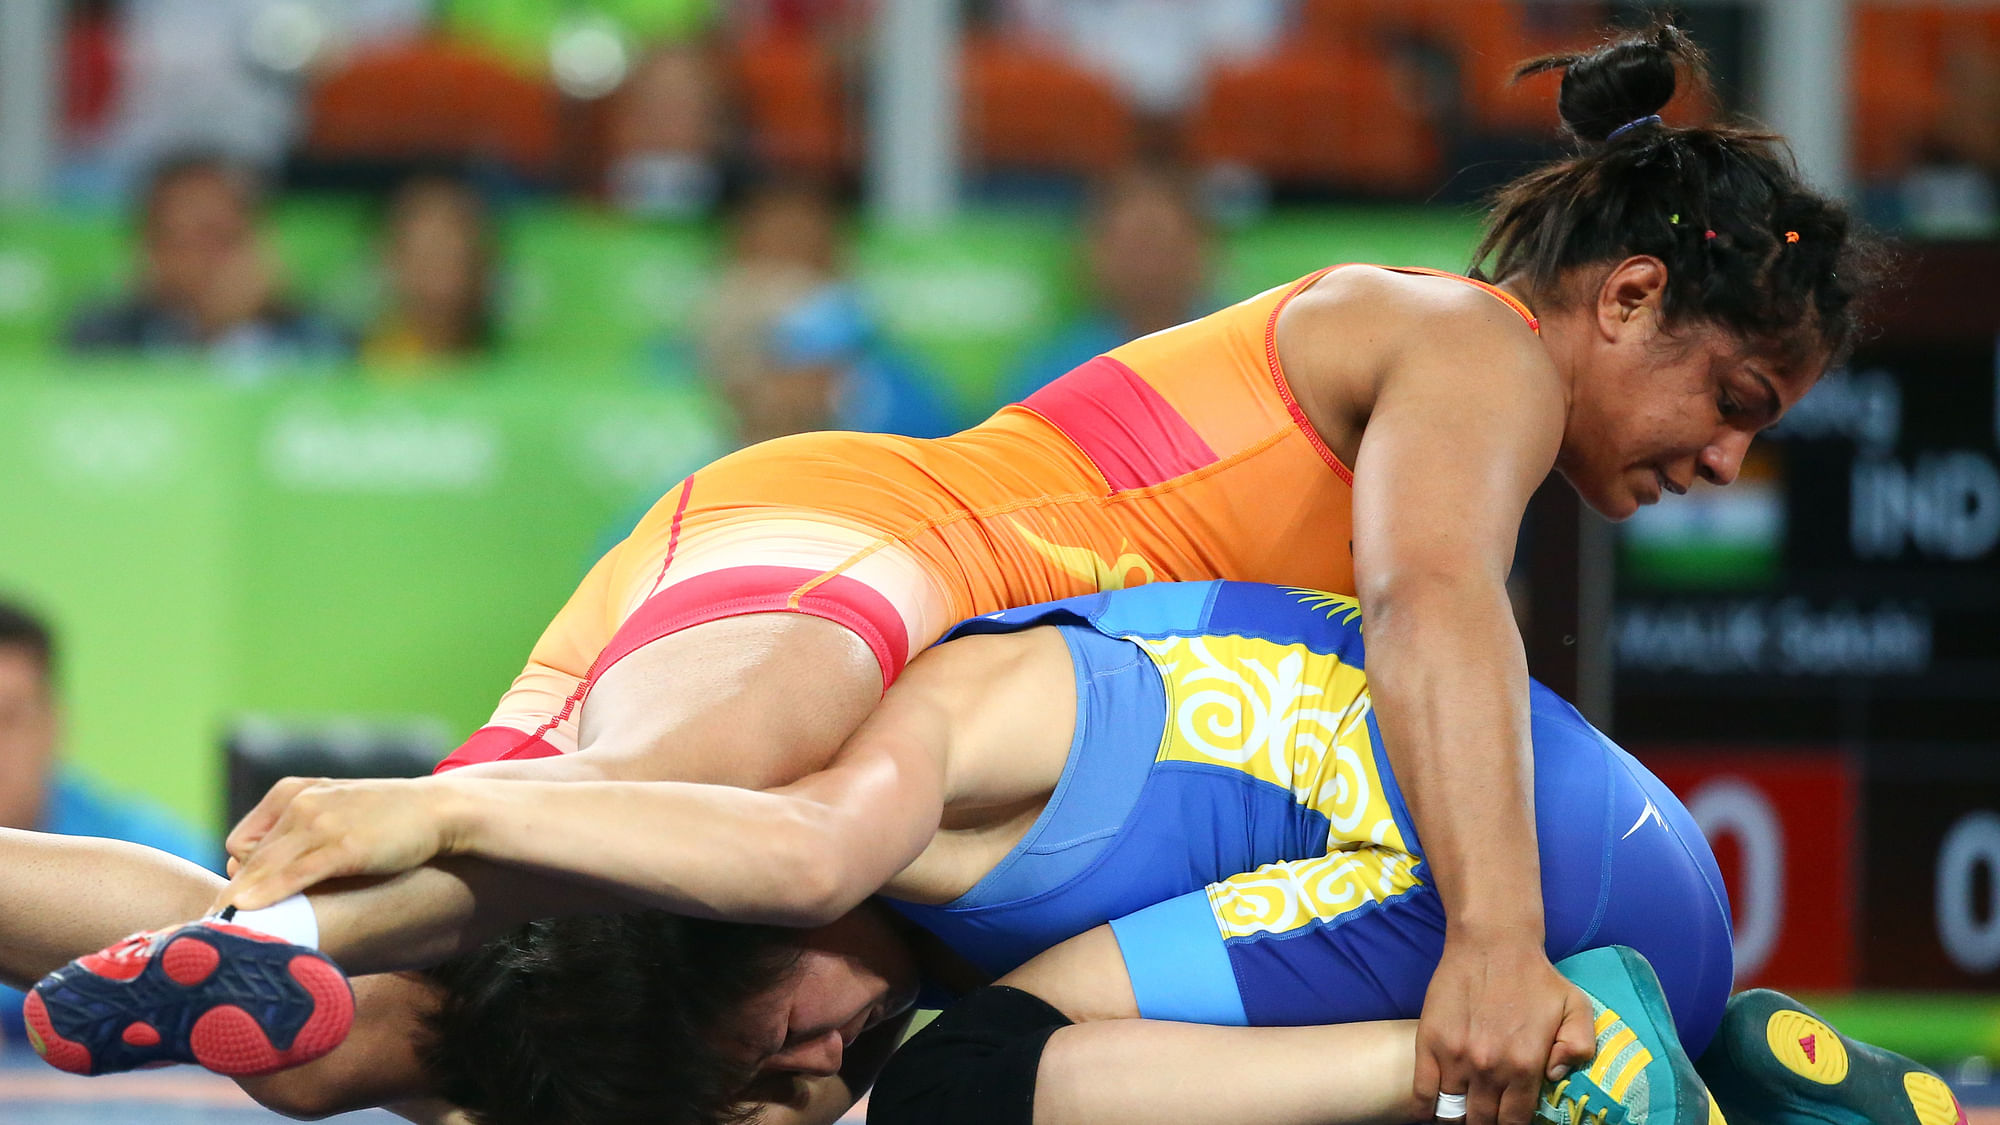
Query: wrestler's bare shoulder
(1357, 327)
(1373, 308)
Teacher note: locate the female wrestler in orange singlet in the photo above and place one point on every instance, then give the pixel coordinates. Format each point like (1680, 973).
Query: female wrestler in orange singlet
(1660, 297)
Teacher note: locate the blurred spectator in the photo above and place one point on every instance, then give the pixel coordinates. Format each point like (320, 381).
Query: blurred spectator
(1148, 249)
(666, 137)
(787, 221)
(37, 792)
(792, 350)
(437, 261)
(205, 283)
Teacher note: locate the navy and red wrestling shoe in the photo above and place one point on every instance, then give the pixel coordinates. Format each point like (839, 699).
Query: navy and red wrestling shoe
(221, 996)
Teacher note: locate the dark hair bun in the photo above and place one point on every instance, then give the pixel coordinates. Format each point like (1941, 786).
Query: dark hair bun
(1621, 82)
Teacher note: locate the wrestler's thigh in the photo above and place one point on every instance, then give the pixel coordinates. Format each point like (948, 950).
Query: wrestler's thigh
(756, 700)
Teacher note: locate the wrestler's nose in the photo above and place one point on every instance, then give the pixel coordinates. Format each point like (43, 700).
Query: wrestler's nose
(818, 1056)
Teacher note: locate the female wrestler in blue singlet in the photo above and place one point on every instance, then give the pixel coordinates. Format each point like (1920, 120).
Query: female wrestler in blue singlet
(1194, 765)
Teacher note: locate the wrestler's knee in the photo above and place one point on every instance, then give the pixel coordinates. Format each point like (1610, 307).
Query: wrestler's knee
(974, 1064)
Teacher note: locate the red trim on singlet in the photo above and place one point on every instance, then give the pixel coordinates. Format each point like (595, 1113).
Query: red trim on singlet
(496, 744)
(1125, 426)
(1285, 387)
(674, 531)
(737, 590)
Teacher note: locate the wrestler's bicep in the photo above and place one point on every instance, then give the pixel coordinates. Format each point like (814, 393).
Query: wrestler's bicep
(1084, 977)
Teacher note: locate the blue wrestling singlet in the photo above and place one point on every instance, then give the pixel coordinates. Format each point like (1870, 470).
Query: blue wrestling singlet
(1227, 807)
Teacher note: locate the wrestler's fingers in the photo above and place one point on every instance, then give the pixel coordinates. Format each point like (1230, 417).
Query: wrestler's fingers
(259, 821)
(1576, 1039)
(264, 883)
(1426, 1086)
(1519, 1098)
(292, 836)
(1482, 1100)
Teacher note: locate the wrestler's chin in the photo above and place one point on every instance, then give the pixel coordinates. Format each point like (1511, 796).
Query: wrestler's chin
(1614, 500)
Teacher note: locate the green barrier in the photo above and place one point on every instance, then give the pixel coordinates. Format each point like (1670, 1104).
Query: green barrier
(584, 284)
(1292, 244)
(1936, 1028)
(52, 263)
(965, 299)
(308, 550)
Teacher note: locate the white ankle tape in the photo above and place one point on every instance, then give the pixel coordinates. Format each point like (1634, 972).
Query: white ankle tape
(292, 920)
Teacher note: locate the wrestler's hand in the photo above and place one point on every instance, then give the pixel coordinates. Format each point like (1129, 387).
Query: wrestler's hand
(308, 830)
(1498, 1020)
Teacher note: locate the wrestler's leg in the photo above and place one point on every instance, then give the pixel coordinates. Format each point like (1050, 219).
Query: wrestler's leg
(1059, 1043)
(754, 701)
(64, 896)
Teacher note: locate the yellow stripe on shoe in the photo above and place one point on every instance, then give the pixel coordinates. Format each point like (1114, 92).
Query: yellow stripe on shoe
(1807, 1047)
(1634, 1067)
(1608, 1051)
(1932, 1099)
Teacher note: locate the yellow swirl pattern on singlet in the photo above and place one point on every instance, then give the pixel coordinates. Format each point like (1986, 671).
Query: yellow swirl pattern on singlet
(1286, 896)
(1297, 719)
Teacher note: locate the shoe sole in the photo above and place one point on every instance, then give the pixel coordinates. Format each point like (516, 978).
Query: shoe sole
(1783, 1063)
(1620, 979)
(234, 1005)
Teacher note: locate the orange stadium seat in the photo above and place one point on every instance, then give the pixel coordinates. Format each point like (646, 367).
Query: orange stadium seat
(1486, 38)
(795, 102)
(1899, 51)
(1324, 115)
(1031, 109)
(433, 100)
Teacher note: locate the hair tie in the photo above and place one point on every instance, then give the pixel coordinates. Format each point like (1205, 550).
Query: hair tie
(1791, 236)
(1649, 119)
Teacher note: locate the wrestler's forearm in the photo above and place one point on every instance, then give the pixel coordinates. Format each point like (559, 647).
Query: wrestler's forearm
(1148, 1072)
(64, 896)
(442, 909)
(1450, 685)
(802, 856)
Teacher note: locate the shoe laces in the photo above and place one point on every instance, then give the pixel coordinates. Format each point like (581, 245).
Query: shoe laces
(1578, 1099)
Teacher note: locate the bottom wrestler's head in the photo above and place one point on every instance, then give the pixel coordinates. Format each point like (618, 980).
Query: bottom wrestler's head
(651, 1017)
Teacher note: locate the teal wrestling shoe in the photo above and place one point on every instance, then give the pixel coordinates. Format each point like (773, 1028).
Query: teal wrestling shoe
(1775, 1062)
(1640, 1075)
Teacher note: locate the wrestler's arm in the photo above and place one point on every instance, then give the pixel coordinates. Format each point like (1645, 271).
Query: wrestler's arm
(801, 854)
(65, 896)
(1462, 418)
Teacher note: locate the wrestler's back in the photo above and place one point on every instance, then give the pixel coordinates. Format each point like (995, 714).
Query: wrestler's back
(1177, 456)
